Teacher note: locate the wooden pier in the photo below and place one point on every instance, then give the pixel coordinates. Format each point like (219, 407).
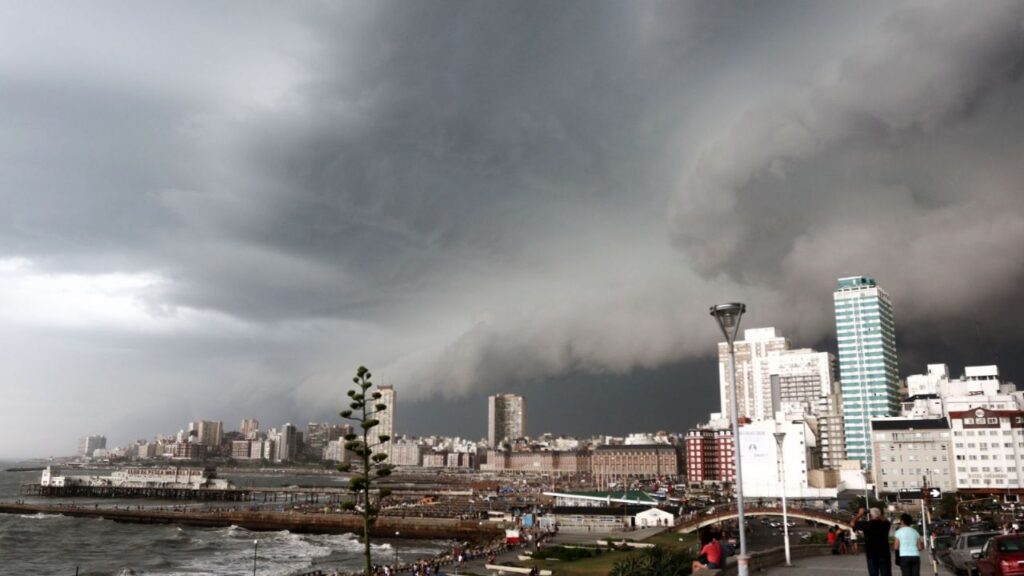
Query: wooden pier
(295, 495)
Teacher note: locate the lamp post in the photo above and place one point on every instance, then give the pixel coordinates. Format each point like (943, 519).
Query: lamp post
(255, 546)
(779, 438)
(728, 316)
(397, 534)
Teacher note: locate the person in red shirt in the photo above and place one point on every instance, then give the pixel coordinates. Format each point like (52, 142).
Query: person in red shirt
(710, 555)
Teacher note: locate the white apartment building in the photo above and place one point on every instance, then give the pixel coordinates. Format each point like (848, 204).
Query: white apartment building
(910, 452)
(407, 453)
(285, 443)
(934, 394)
(753, 382)
(803, 382)
(263, 449)
(249, 428)
(335, 451)
(88, 445)
(240, 449)
(800, 376)
(145, 450)
(208, 432)
(644, 438)
(988, 447)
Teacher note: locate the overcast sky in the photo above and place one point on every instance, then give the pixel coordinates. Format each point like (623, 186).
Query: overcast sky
(220, 210)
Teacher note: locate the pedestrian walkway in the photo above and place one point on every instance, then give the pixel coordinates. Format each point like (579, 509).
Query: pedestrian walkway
(846, 565)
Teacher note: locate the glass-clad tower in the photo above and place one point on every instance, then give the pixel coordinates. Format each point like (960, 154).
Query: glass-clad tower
(868, 374)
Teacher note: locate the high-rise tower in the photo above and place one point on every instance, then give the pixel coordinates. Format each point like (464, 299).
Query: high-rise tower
(506, 418)
(387, 417)
(754, 392)
(868, 372)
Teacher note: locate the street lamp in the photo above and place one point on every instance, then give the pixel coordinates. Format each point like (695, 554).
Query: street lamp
(396, 551)
(728, 316)
(779, 437)
(255, 546)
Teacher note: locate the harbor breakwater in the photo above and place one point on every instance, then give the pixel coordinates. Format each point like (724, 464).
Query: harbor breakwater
(296, 522)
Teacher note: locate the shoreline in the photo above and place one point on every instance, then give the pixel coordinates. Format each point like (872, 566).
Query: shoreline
(258, 521)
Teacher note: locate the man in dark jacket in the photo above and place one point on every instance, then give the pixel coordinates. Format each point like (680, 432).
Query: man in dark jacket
(876, 541)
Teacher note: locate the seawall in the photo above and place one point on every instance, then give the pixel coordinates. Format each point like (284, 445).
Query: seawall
(299, 522)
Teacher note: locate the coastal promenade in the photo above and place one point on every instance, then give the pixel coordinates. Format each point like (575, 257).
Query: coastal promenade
(845, 565)
(293, 521)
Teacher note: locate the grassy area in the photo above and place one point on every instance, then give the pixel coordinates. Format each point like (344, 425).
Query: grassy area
(673, 540)
(596, 566)
(601, 565)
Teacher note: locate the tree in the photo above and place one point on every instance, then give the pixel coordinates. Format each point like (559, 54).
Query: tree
(946, 506)
(858, 502)
(363, 409)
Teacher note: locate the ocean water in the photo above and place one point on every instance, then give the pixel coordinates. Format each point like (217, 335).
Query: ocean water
(43, 544)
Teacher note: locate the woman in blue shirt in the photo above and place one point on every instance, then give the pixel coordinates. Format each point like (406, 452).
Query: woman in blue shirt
(908, 545)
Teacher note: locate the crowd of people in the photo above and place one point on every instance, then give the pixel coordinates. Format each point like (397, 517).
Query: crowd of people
(457, 556)
(881, 551)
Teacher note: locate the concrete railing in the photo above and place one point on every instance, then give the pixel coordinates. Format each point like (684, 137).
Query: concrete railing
(772, 557)
(697, 521)
(625, 543)
(502, 569)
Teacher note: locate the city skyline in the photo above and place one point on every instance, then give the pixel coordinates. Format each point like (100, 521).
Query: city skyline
(225, 209)
(760, 334)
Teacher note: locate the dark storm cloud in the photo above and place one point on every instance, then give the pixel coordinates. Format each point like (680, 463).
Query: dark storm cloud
(902, 161)
(245, 201)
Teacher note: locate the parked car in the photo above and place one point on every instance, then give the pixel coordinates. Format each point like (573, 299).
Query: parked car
(964, 547)
(942, 547)
(1002, 556)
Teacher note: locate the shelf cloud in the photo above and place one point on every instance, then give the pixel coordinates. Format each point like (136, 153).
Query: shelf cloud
(219, 211)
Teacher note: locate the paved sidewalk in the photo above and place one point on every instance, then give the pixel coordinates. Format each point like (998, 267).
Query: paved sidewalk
(839, 566)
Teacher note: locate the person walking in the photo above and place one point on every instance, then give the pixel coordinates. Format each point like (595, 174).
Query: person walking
(908, 545)
(876, 541)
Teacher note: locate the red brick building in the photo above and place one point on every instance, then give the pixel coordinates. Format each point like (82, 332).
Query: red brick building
(709, 455)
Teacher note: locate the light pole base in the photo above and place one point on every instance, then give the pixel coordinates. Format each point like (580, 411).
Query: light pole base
(742, 565)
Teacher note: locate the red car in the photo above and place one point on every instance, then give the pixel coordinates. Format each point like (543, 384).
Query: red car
(1002, 556)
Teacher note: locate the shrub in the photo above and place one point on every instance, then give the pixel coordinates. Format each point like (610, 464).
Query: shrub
(654, 562)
